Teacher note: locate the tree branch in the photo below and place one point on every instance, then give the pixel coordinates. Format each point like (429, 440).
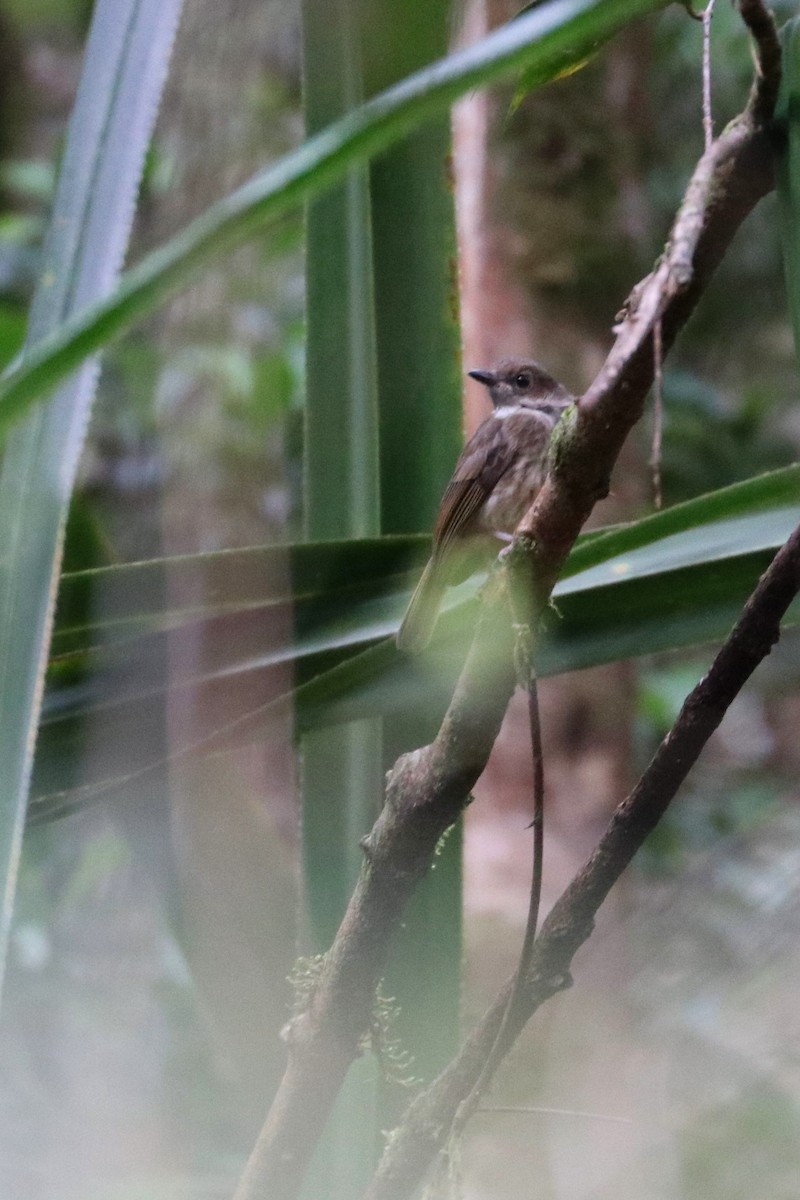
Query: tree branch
(426, 792)
(426, 1125)
(429, 788)
(728, 181)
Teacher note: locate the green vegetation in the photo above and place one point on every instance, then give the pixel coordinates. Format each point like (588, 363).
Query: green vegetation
(312, 407)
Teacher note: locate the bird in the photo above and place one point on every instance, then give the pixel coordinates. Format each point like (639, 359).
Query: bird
(497, 477)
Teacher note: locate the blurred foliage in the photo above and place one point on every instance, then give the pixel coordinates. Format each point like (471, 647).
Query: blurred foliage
(12, 331)
(734, 788)
(591, 187)
(712, 439)
(740, 1142)
(60, 19)
(592, 167)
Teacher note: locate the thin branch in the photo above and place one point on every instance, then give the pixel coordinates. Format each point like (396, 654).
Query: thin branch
(658, 413)
(708, 118)
(537, 1110)
(425, 1127)
(526, 675)
(428, 788)
(426, 792)
(767, 51)
(727, 183)
(537, 750)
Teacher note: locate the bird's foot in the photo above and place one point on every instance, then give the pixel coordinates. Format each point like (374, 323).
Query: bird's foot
(508, 544)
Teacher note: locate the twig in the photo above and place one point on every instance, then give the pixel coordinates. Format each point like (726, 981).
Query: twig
(658, 413)
(537, 1110)
(425, 1126)
(726, 184)
(708, 120)
(537, 750)
(526, 675)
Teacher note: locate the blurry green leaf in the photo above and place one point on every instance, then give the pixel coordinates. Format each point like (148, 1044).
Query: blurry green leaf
(110, 127)
(709, 443)
(85, 549)
(101, 858)
(346, 595)
(33, 179)
(774, 490)
(684, 590)
(19, 229)
(12, 332)
(420, 388)
(330, 578)
(340, 776)
(674, 579)
(541, 37)
(273, 389)
(42, 13)
(535, 77)
(382, 340)
(662, 693)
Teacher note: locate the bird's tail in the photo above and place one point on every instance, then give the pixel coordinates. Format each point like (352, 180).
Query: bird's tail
(423, 609)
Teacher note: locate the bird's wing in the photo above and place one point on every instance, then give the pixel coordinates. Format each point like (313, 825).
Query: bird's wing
(461, 500)
(485, 459)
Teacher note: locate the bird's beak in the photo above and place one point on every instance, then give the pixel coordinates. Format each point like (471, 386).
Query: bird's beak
(484, 377)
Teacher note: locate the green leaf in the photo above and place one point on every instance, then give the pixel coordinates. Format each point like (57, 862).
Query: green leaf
(347, 594)
(350, 592)
(673, 579)
(533, 77)
(383, 339)
(319, 578)
(421, 434)
(340, 776)
(775, 489)
(685, 589)
(12, 332)
(541, 39)
(341, 480)
(124, 70)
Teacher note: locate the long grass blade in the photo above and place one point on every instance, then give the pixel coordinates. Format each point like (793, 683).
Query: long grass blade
(120, 87)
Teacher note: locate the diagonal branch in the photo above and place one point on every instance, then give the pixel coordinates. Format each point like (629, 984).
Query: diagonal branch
(429, 788)
(426, 792)
(426, 1126)
(728, 181)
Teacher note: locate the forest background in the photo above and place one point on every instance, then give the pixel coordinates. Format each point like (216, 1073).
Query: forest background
(163, 892)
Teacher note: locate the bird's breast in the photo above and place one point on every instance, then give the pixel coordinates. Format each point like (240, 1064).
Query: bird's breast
(528, 433)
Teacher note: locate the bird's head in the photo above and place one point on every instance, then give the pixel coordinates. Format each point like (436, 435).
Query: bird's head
(523, 383)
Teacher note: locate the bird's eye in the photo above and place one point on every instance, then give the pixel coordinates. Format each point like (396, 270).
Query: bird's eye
(522, 381)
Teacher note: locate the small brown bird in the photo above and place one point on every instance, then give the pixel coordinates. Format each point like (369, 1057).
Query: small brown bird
(497, 478)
